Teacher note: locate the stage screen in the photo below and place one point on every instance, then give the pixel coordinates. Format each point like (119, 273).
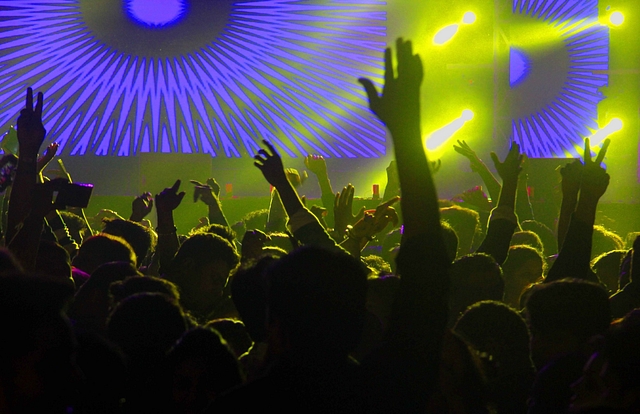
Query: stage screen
(125, 77)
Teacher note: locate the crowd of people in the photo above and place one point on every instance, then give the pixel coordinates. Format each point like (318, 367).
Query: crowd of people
(417, 308)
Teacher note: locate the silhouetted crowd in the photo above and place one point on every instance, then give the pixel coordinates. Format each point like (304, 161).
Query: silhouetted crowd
(433, 306)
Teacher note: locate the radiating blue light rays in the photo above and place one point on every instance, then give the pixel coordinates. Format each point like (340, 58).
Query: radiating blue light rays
(284, 70)
(556, 128)
(156, 13)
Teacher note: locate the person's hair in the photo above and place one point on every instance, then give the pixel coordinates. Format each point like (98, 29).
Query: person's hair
(234, 333)
(256, 220)
(621, 350)
(318, 297)
(101, 249)
(377, 264)
(474, 277)
(138, 236)
(249, 295)
(605, 241)
(146, 323)
(225, 232)
(572, 306)
(547, 236)
(279, 239)
(466, 223)
(607, 268)
(450, 239)
(133, 285)
(527, 238)
(53, 260)
(212, 354)
(205, 248)
(75, 224)
(496, 329)
(521, 254)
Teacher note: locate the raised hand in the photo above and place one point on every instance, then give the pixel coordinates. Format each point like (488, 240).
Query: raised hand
(270, 164)
(169, 199)
(316, 164)
(465, 150)
(401, 93)
(343, 210)
(595, 179)
(510, 168)
(31, 132)
(49, 153)
(372, 224)
(141, 206)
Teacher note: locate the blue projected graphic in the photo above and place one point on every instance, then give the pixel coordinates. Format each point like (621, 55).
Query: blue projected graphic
(519, 66)
(156, 13)
(570, 75)
(215, 77)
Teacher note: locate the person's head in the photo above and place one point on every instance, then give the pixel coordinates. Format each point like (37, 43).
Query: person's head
(563, 315)
(498, 330)
(201, 367)
(101, 249)
(256, 220)
(37, 363)
(141, 238)
(605, 241)
(200, 269)
(466, 223)
(316, 303)
(53, 261)
(146, 325)
(611, 377)
(450, 239)
(545, 233)
(92, 303)
(524, 266)
(133, 285)
(527, 238)
(234, 334)
(474, 277)
(76, 225)
(225, 232)
(249, 295)
(607, 268)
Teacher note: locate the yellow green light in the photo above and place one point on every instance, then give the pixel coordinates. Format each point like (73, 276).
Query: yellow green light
(616, 18)
(442, 135)
(447, 33)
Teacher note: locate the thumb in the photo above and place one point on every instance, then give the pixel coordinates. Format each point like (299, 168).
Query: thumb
(370, 89)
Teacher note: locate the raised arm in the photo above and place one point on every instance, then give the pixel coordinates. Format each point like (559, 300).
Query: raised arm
(318, 166)
(410, 358)
(478, 166)
(503, 221)
(31, 134)
(575, 255)
(208, 193)
(167, 201)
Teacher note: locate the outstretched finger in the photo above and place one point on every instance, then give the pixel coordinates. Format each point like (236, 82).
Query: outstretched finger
(389, 73)
(29, 99)
(270, 147)
(175, 186)
(603, 151)
(389, 202)
(587, 151)
(39, 104)
(495, 159)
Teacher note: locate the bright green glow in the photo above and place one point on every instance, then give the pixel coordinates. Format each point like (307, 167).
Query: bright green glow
(469, 18)
(616, 18)
(445, 34)
(600, 135)
(442, 135)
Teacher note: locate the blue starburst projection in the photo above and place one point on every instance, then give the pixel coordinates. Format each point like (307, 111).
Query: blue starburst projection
(557, 127)
(203, 76)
